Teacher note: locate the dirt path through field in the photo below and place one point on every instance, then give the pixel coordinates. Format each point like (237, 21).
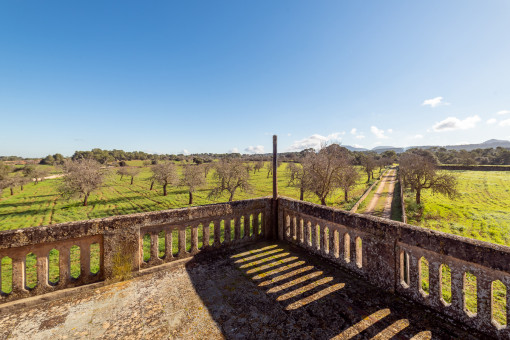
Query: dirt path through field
(380, 205)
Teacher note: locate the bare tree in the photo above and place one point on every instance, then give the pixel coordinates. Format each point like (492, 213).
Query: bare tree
(133, 172)
(418, 169)
(81, 178)
(269, 167)
(123, 171)
(165, 174)
(257, 166)
(369, 163)
(192, 178)
(347, 179)
(230, 175)
(324, 168)
(299, 177)
(39, 174)
(206, 167)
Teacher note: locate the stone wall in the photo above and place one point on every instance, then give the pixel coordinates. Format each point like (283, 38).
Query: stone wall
(475, 167)
(121, 240)
(388, 254)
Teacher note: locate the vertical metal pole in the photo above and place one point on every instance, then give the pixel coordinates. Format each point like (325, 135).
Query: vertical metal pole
(274, 227)
(275, 168)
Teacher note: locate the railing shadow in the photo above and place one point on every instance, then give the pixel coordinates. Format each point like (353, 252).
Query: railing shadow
(275, 291)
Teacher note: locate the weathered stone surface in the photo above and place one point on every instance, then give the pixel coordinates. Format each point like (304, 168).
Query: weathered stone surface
(251, 293)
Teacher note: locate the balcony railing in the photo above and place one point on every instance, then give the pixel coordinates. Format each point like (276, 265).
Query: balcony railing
(389, 255)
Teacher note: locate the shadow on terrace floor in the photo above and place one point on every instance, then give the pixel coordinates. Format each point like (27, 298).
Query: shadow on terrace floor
(269, 291)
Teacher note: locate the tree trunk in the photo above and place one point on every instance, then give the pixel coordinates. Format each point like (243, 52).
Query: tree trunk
(132, 178)
(85, 200)
(21, 188)
(418, 196)
(231, 196)
(164, 190)
(368, 174)
(346, 193)
(12, 191)
(301, 194)
(152, 185)
(121, 177)
(190, 198)
(323, 201)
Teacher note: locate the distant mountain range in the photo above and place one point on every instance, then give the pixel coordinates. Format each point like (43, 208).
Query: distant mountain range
(491, 143)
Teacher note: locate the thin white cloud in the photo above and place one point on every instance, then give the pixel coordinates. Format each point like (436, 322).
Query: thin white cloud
(418, 136)
(289, 134)
(234, 150)
(434, 102)
(360, 136)
(314, 141)
(353, 131)
(503, 112)
(377, 143)
(255, 149)
(359, 146)
(390, 130)
(505, 122)
(185, 152)
(453, 123)
(492, 121)
(379, 133)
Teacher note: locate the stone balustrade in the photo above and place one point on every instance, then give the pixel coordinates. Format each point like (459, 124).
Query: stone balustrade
(438, 270)
(39, 260)
(463, 279)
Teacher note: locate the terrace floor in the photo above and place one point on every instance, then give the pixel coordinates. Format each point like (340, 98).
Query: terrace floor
(261, 291)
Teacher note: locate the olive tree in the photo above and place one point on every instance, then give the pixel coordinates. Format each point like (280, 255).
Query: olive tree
(323, 169)
(230, 175)
(347, 179)
(369, 163)
(165, 174)
(81, 178)
(299, 178)
(192, 178)
(418, 169)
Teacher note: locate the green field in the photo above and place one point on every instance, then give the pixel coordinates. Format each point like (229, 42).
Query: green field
(482, 210)
(40, 204)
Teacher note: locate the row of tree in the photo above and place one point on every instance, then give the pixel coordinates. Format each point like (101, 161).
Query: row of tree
(18, 177)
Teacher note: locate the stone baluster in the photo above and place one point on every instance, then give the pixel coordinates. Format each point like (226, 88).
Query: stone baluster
(194, 239)
(435, 293)
(306, 233)
(299, 230)
(414, 273)
(256, 224)
(293, 228)
(457, 279)
(168, 245)
(228, 229)
(313, 230)
(247, 226)
(484, 297)
(154, 246)
(64, 266)
(182, 241)
(217, 233)
(287, 233)
(333, 243)
(237, 228)
(84, 261)
(324, 240)
(205, 226)
(18, 274)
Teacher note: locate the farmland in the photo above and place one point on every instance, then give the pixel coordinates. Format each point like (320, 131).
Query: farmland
(40, 204)
(482, 210)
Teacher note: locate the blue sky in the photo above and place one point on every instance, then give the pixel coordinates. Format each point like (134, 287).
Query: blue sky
(215, 76)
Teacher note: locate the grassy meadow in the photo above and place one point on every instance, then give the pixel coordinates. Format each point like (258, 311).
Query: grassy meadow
(482, 210)
(40, 204)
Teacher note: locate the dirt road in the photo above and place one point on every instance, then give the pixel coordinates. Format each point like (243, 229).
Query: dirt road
(380, 205)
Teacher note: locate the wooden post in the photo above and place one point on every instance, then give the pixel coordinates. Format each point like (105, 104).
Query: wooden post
(274, 227)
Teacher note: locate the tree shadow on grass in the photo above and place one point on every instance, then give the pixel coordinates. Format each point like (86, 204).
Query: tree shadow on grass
(269, 290)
